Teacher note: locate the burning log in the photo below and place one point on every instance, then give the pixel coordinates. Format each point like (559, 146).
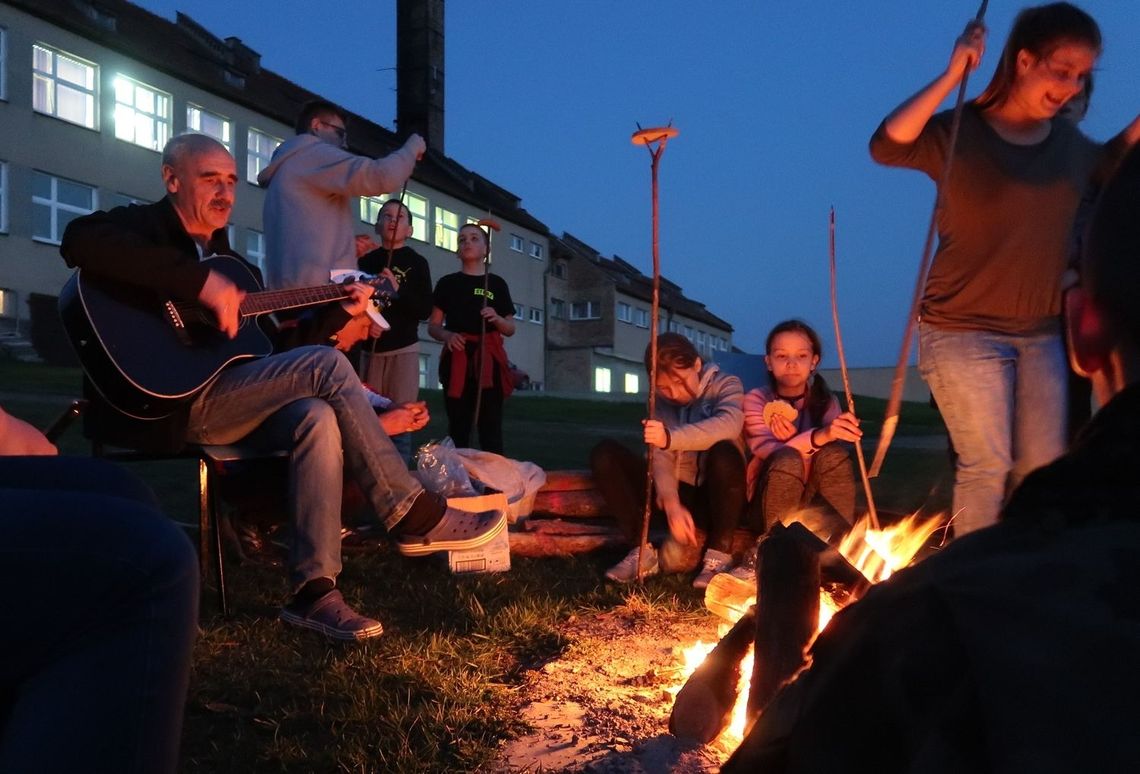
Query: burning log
(787, 613)
(703, 708)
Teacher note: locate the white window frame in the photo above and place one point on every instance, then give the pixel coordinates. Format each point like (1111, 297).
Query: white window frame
(632, 383)
(536, 251)
(255, 248)
(593, 310)
(129, 117)
(256, 156)
(557, 309)
(624, 312)
(370, 208)
(194, 115)
(535, 315)
(723, 344)
(52, 84)
(520, 312)
(446, 229)
(120, 199)
(641, 317)
(423, 369)
(517, 243)
(418, 207)
(57, 206)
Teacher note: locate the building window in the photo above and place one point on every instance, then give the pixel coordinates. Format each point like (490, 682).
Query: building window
(641, 318)
(63, 86)
(560, 269)
(424, 373)
(3, 197)
(701, 340)
(446, 229)
(516, 243)
(601, 379)
(536, 250)
(557, 309)
(55, 203)
(8, 305)
(535, 315)
(259, 148)
(624, 312)
(417, 205)
(585, 310)
(520, 312)
(370, 208)
(688, 331)
(255, 248)
(724, 345)
(199, 119)
(631, 384)
(3, 63)
(142, 114)
(123, 200)
(674, 327)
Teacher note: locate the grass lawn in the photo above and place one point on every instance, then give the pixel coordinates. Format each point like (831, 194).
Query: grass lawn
(437, 692)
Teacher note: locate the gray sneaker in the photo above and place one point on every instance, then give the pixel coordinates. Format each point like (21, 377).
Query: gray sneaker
(331, 616)
(625, 571)
(714, 562)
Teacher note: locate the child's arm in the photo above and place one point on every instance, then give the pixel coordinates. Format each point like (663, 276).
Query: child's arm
(724, 424)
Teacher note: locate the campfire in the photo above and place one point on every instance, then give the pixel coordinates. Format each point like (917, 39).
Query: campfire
(720, 689)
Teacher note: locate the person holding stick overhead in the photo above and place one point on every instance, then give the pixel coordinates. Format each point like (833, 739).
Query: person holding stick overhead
(698, 465)
(473, 312)
(990, 343)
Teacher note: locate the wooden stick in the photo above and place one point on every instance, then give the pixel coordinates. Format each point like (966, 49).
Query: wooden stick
(703, 708)
(872, 516)
(650, 138)
(891, 420)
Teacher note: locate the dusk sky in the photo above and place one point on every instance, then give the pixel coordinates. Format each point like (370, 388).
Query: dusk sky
(774, 102)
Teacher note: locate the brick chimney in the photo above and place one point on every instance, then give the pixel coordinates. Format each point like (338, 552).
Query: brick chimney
(419, 70)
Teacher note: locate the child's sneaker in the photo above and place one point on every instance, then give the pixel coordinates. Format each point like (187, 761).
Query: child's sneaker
(625, 571)
(746, 570)
(714, 562)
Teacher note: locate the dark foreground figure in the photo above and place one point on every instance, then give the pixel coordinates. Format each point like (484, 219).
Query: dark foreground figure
(1014, 650)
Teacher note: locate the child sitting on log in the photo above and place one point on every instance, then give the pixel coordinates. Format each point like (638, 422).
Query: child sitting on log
(791, 427)
(698, 463)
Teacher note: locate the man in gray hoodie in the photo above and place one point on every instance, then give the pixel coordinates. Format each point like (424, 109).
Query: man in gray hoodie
(310, 180)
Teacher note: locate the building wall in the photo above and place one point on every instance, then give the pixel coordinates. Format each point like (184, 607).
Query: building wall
(38, 142)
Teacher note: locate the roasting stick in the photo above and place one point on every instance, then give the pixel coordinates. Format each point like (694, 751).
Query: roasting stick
(891, 420)
(490, 226)
(872, 515)
(654, 141)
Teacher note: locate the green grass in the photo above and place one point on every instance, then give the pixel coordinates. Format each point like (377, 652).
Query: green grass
(439, 690)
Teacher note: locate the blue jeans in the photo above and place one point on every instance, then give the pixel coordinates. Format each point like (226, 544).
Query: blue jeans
(309, 400)
(99, 617)
(1003, 399)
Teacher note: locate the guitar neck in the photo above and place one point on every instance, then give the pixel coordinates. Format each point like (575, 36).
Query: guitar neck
(266, 301)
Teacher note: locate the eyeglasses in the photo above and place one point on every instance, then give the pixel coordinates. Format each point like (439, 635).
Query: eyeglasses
(340, 131)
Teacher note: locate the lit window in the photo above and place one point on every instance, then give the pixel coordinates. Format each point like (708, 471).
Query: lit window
(446, 229)
(516, 243)
(370, 208)
(641, 318)
(3, 197)
(601, 379)
(63, 86)
(558, 309)
(55, 203)
(418, 206)
(624, 312)
(259, 148)
(536, 250)
(535, 315)
(520, 312)
(142, 114)
(631, 383)
(585, 310)
(198, 119)
(8, 305)
(255, 248)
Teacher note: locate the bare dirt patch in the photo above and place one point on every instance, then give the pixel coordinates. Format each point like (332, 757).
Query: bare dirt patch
(604, 705)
